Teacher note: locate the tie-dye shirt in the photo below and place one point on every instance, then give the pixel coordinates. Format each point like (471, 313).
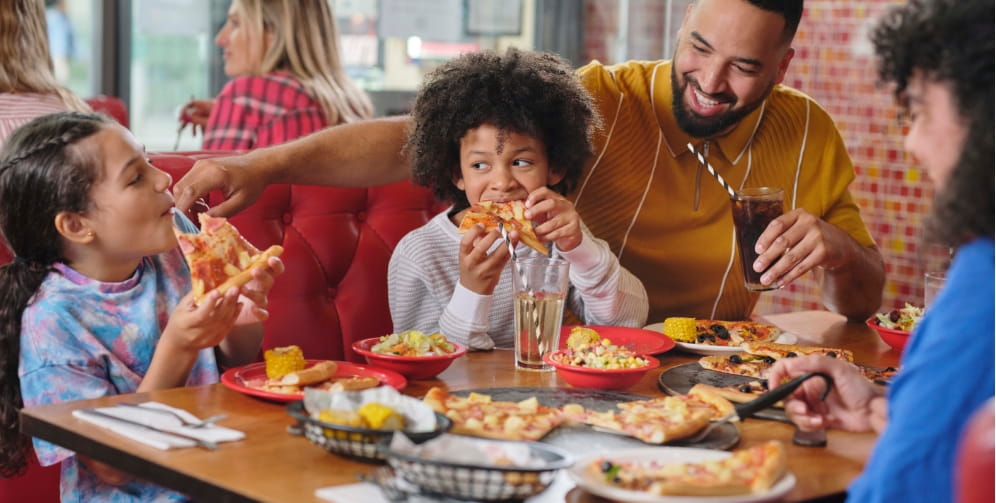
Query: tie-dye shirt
(82, 338)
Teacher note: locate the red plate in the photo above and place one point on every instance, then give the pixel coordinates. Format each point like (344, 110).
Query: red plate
(640, 341)
(242, 379)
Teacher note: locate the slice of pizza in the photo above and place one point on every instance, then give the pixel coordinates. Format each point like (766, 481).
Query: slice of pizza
(733, 333)
(511, 214)
(738, 393)
(654, 421)
(219, 257)
(739, 364)
(480, 416)
(744, 471)
(779, 351)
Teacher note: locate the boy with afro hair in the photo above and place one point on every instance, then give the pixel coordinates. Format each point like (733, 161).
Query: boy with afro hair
(502, 127)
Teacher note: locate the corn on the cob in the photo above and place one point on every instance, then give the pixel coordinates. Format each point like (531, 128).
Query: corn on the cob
(281, 361)
(680, 329)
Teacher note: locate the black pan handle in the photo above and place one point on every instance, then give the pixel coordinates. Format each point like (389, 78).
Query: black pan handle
(768, 399)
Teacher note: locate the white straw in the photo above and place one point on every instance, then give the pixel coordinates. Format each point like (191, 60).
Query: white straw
(712, 171)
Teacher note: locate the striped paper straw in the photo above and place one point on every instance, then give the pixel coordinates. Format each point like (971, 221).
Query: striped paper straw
(508, 241)
(712, 171)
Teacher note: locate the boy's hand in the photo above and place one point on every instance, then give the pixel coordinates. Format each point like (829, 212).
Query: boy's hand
(557, 219)
(480, 270)
(254, 293)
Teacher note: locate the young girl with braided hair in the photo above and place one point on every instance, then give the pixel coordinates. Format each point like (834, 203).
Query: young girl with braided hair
(96, 301)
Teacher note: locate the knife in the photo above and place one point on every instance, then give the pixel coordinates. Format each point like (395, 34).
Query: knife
(205, 444)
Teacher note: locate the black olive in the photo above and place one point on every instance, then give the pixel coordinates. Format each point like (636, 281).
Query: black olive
(716, 328)
(606, 466)
(745, 387)
(736, 359)
(890, 369)
(764, 383)
(712, 338)
(722, 332)
(791, 354)
(768, 359)
(701, 338)
(832, 354)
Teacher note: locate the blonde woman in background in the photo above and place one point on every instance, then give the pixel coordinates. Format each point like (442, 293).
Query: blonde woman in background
(288, 81)
(28, 87)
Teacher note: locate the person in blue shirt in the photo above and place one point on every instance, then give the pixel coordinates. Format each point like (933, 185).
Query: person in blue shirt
(939, 55)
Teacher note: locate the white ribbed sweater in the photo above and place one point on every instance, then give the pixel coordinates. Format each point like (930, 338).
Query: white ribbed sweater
(425, 293)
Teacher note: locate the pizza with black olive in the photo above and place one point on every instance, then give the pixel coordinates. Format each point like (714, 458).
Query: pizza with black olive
(733, 333)
(741, 364)
(779, 351)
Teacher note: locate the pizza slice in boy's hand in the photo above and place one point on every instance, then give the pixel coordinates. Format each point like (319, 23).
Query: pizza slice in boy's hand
(512, 214)
(219, 257)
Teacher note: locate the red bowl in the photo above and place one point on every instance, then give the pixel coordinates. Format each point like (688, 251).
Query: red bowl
(412, 367)
(895, 338)
(585, 377)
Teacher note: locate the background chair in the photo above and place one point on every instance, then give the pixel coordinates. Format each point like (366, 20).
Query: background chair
(109, 105)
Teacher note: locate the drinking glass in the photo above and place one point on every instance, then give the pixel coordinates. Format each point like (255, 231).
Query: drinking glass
(540, 288)
(753, 210)
(933, 281)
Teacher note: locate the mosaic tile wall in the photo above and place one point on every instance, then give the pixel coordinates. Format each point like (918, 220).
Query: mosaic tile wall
(834, 64)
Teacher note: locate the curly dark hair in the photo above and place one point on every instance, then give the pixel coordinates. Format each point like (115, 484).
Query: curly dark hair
(44, 170)
(531, 93)
(951, 42)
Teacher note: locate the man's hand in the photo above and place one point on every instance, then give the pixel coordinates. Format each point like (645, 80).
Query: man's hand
(854, 403)
(480, 271)
(240, 186)
(796, 242)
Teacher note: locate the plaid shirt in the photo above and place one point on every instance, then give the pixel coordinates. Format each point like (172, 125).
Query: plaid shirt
(261, 110)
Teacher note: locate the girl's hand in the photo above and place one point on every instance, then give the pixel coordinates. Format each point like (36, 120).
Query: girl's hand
(557, 219)
(193, 327)
(254, 293)
(480, 270)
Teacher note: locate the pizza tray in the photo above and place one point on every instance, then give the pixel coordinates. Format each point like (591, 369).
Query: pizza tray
(583, 440)
(678, 380)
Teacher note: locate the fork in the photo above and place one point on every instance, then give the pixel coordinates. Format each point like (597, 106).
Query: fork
(744, 410)
(189, 424)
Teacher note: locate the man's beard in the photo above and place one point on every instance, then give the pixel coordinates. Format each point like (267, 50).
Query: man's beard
(706, 127)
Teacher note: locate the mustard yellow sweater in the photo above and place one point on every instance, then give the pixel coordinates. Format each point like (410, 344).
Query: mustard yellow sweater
(638, 191)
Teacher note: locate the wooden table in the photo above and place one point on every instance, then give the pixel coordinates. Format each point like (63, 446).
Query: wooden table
(273, 466)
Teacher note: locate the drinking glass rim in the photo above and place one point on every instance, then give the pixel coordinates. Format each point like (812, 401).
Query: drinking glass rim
(758, 192)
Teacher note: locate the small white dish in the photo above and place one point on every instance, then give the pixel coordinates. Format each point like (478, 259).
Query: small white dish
(712, 349)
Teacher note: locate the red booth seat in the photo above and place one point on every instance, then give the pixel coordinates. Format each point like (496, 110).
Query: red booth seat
(337, 244)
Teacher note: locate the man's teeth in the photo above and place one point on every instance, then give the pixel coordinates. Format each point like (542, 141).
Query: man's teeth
(704, 100)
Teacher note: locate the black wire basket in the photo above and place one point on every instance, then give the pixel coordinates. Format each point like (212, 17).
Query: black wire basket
(479, 482)
(353, 442)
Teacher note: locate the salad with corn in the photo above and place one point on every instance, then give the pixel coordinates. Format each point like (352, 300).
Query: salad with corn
(904, 319)
(583, 350)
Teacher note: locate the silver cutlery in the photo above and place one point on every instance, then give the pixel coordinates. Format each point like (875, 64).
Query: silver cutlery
(206, 444)
(190, 424)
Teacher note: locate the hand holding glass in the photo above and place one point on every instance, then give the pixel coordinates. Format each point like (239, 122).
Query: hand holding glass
(753, 210)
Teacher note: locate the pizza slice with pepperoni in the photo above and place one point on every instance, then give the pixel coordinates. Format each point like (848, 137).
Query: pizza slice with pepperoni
(219, 257)
(511, 214)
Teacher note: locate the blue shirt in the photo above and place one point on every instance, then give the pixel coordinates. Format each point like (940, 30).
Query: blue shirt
(945, 375)
(82, 338)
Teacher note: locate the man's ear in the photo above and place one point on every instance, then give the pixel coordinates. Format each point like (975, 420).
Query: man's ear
(74, 227)
(783, 65)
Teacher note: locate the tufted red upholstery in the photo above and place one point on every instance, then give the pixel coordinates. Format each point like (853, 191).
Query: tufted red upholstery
(111, 106)
(337, 243)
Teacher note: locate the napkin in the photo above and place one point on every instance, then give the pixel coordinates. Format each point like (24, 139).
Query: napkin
(164, 441)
